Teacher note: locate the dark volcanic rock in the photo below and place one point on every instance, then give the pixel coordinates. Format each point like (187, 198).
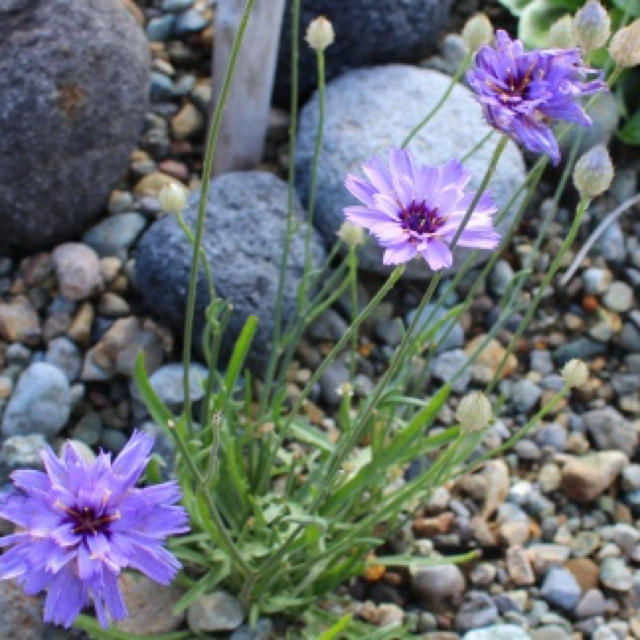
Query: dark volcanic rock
(243, 236)
(74, 85)
(368, 32)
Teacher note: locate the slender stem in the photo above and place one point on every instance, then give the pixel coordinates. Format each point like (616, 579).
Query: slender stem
(234, 554)
(555, 265)
(477, 146)
(304, 289)
(293, 125)
(212, 139)
(353, 281)
(443, 98)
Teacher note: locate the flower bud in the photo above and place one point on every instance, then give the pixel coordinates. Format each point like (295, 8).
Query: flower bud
(561, 34)
(625, 45)
(172, 198)
(593, 172)
(319, 33)
(474, 412)
(575, 373)
(351, 234)
(477, 31)
(592, 26)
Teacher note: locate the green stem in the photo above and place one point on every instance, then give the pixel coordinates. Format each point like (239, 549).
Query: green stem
(477, 146)
(353, 281)
(443, 98)
(533, 305)
(212, 139)
(314, 178)
(293, 125)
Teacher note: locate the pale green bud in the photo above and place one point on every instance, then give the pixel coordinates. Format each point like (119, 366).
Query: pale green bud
(625, 45)
(477, 31)
(351, 234)
(575, 373)
(592, 26)
(593, 172)
(561, 34)
(172, 198)
(319, 33)
(474, 412)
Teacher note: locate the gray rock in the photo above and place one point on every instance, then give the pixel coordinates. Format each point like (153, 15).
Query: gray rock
(21, 452)
(89, 428)
(477, 610)
(336, 374)
(560, 588)
(454, 338)
(386, 31)
(113, 440)
(364, 120)
(438, 584)
(611, 430)
(615, 574)
(191, 21)
(115, 234)
(596, 280)
(168, 381)
(71, 110)
(631, 477)
(78, 270)
(581, 348)
(243, 235)
(540, 360)
(446, 364)
(630, 337)
(611, 243)
(64, 354)
(591, 604)
(624, 384)
(21, 615)
(159, 28)
(40, 402)
(525, 395)
(501, 277)
(552, 435)
(329, 327)
(619, 296)
(217, 611)
(263, 631)
(497, 632)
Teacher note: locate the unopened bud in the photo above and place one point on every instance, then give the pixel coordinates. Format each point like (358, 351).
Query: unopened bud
(474, 412)
(172, 198)
(351, 234)
(477, 31)
(592, 26)
(625, 45)
(575, 373)
(561, 34)
(593, 172)
(319, 33)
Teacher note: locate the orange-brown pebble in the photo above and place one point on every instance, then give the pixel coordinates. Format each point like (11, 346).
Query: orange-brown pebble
(590, 303)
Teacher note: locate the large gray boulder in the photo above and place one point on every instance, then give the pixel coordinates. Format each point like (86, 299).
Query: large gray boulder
(243, 238)
(369, 112)
(74, 80)
(368, 32)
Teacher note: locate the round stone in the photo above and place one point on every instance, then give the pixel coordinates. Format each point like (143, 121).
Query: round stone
(369, 112)
(72, 108)
(619, 296)
(368, 32)
(40, 403)
(243, 235)
(218, 611)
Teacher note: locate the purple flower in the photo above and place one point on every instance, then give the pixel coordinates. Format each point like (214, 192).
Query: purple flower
(524, 92)
(81, 522)
(415, 209)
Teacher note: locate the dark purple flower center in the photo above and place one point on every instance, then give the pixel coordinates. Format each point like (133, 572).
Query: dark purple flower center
(517, 84)
(86, 520)
(420, 218)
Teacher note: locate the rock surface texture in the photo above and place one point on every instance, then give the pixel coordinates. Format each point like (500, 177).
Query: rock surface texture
(243, 236)
(368, 32)
(70, 113)
(369, 112)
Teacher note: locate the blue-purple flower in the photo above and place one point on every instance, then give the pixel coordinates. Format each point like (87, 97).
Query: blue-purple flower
(524, 92)
(416, 210)
(79, 523)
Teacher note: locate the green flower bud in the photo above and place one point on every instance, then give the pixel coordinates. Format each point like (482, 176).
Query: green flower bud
(592, 26)
(593, 172)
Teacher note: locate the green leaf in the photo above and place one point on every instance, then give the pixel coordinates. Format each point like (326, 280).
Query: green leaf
(414, 562)
(337, 628)
(206, 584)
(158, 410)
(535, 21)
(630, 133)
(93, 628)
(240, 351)
(309, 434)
